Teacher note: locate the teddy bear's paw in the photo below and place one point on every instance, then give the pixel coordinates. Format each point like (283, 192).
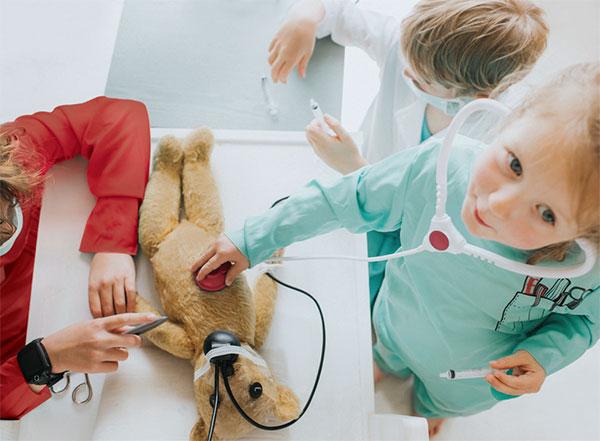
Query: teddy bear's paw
(199, 431)
(169, 152)
(198, 145)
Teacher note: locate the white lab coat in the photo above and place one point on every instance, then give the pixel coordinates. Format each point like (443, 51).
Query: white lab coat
(395, 117)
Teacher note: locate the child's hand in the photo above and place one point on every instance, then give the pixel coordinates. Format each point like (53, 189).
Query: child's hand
(527, 374)
(223, 250)
(338, 152)
(111, 285)
(294, 43)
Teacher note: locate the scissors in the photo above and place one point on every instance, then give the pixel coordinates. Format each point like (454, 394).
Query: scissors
(87, 384)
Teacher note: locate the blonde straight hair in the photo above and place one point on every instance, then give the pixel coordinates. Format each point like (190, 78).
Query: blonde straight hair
(474, 46)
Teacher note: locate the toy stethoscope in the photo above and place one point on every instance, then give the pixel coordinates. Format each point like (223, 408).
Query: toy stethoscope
(443, 237)
(222, 348)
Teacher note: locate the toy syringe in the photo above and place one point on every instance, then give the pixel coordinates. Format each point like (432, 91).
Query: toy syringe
(466, 374)
(271, 106)
(318, 114)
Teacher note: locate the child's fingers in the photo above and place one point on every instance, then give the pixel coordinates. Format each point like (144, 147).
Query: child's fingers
(94, 302)
(130, 294)
(303, 65)
(204, 258)
(272, 43)
(501, 387)
(316, 132)
(280, 66)
(119, 297)
(285, 72)
(335, 125)
(213, 263)
(516, 382)
(273, 54)
(506, 362)
(106, 299)
(232, 274)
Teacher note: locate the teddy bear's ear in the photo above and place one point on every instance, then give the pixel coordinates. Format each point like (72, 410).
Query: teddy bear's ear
(286, 406)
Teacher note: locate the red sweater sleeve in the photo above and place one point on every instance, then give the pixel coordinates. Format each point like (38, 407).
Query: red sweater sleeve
(17, 397)
(114, 135)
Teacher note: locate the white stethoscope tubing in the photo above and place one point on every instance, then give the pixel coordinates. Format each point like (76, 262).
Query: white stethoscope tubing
(441, 171)
(443, 235)
(276, 260)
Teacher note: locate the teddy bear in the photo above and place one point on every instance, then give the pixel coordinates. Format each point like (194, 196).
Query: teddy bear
(173, 238)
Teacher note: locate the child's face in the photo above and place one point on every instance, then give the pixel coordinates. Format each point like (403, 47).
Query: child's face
(518, 194)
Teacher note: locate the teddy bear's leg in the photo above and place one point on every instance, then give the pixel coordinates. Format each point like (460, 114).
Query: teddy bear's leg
(200, 194)
(265, 294)
(199, 431)
(159, 213)
(169, 336)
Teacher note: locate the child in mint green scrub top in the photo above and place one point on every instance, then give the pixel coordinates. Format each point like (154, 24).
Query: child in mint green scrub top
(527, 196)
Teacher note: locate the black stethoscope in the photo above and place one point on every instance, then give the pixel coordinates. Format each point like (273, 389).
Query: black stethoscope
(222, 349)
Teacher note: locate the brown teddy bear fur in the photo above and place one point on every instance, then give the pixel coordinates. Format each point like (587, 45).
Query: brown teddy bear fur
(173, 242)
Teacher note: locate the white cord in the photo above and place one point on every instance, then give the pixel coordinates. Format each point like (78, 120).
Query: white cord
(278, 260)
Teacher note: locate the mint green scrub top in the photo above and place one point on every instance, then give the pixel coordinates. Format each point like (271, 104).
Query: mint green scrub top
(437, 311)
(380, 243)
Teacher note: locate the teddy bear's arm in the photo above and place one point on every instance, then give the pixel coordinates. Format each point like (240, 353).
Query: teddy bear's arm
(169, 336)
(265, 294)
(159, 213)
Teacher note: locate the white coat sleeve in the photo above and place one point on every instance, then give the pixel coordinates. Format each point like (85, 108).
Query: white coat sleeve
(350, 25)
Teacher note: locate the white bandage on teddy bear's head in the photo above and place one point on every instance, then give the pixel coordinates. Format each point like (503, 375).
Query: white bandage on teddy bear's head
(225, 350)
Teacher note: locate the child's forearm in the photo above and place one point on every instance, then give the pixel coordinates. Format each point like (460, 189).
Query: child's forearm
(317, 209)
(370, 199)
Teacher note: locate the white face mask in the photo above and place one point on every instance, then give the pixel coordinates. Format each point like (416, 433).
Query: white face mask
(17, 221)
(450, 106)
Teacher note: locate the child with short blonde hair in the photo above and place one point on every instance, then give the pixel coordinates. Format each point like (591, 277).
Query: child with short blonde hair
(445, 53)
(473, 46)
(535, 188)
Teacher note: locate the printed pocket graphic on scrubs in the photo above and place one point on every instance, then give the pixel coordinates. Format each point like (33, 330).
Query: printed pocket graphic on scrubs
(536, 300)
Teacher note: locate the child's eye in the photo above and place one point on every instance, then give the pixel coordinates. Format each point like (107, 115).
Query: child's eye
(547, 214)
(515, 164)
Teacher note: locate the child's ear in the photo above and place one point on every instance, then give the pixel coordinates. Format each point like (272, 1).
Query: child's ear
(286, 406)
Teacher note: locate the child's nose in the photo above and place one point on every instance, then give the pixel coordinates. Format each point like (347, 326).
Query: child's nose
(503, 203)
